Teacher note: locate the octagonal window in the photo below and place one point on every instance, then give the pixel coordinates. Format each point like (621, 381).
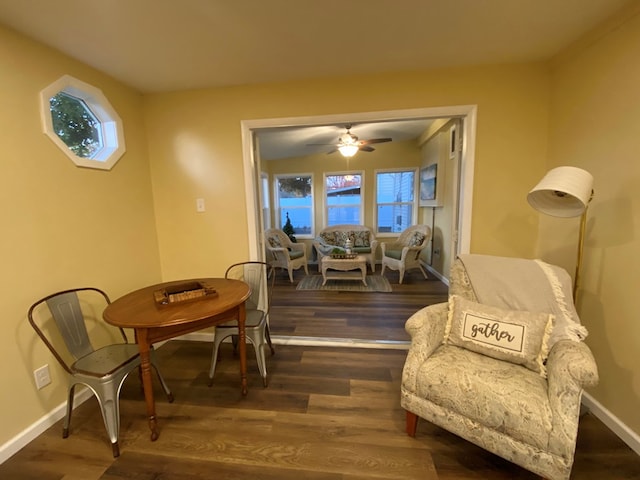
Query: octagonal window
(79, 119)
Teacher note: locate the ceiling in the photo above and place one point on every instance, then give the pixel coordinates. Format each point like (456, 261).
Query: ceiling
(169, 45)
(294, 141)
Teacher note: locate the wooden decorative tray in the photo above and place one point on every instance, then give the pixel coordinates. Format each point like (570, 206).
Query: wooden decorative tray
(184, 292)
(344, 256)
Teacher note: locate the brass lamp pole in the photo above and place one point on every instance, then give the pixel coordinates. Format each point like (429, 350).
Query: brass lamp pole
(565, 192)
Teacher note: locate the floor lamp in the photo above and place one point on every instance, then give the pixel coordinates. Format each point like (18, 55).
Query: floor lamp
(565, 192)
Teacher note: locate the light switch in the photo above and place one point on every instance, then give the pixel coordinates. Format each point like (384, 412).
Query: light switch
(200, 205)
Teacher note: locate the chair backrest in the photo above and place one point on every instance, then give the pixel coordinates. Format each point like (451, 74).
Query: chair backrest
(276, 238)
(260, 276)
(69, 321)
(415, 236)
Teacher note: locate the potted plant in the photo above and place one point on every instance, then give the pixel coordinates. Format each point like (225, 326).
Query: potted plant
(288, 229)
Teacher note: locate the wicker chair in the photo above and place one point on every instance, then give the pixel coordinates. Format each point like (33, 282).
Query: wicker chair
(283, 253)
(404, 253)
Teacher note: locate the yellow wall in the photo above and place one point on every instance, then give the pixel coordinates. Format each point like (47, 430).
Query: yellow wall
(195, 151)
(595, 125)
(62, 226)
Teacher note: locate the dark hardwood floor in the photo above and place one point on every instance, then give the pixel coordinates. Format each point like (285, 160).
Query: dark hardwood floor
(351, 315)
(329, 413)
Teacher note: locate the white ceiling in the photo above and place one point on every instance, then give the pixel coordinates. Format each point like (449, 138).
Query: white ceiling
(168, 45)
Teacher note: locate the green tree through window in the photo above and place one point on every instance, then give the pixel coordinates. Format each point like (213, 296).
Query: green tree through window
(75, 124)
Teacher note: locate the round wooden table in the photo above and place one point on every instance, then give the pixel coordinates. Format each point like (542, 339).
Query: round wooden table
(154, 322)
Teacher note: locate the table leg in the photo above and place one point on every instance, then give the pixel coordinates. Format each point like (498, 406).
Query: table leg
(242, 340)
(363, 270)
(145, 367)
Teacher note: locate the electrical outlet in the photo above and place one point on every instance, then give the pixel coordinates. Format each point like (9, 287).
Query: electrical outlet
(42, 376)
(200, 205)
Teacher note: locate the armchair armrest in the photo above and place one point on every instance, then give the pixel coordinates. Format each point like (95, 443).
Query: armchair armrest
(390, 246)
(300, 247)
(570, 368)
(415, 251)
(426, 328)
(278, 250)
(570, 365)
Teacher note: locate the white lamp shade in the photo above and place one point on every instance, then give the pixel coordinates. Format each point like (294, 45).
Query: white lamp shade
(562, 192)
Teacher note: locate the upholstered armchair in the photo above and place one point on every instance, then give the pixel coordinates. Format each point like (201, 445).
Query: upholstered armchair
(283, 253)
(404, 253)
(502, 364)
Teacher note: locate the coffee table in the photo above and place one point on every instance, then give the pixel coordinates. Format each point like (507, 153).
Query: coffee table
(344, 269)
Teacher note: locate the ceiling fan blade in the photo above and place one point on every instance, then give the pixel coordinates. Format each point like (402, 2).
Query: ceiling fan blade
(333, 150)
(319, 144)
(375, 140)
(366, 148)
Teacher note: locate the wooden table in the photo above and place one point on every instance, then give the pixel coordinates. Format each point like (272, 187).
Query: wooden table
(342, 268)
(153, 323)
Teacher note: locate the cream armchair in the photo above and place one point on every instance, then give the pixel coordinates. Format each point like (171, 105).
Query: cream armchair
(283, 253)
(404, 253)
(525, 412)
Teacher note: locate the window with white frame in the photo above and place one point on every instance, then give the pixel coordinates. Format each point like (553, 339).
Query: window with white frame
(395, 205)
(343, 198)
(294, 200)
(79, 119)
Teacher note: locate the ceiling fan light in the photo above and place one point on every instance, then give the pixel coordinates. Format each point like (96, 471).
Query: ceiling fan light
(348, 150)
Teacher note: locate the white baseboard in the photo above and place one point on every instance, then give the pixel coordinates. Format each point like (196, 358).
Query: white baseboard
(628, 436)
(12, 446)
(313, 341)
(436, 274)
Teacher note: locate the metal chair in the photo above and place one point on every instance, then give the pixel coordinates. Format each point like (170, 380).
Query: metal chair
(260, 276)
(103, 370)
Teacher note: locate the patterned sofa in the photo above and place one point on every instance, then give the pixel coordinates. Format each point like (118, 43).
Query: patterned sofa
(363, 241)
(524, 412)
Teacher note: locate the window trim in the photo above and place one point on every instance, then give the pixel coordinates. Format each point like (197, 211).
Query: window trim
(414, 209)
(110, 123)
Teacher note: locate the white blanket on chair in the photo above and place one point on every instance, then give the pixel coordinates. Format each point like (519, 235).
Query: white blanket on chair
(529, 285)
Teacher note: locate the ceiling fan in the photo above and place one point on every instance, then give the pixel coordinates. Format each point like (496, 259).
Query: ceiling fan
(349, 144)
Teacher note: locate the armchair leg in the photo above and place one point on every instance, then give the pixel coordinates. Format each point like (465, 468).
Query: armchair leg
(412, 423)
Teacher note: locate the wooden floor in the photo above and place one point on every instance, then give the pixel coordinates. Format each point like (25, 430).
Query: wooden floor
(329, 413)
(351, 315)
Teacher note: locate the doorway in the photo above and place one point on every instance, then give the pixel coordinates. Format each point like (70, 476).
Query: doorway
(253, 172)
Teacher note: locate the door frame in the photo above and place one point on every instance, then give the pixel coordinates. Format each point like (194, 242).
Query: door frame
(252, 165)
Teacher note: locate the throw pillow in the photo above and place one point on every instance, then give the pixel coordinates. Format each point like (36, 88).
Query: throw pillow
(511, 335)
(328, 237)
(275, 242)
(361, 238)
(416, 239)
(341, 238)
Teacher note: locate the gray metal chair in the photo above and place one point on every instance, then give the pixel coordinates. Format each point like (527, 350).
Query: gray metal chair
(102, 370)
(260, 277)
